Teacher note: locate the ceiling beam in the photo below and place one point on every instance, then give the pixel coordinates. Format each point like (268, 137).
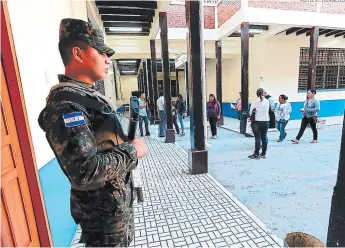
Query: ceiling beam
(144, 30)
(260, 27)
(126, 18)
(128, 34)
(163, 6)
(340, 34)
(302, 31)
(308, 33)
(291, 30)
(239, 35)
(325, 31)
(125, 11)
(334, 32)
(135, 4)
(127, 24)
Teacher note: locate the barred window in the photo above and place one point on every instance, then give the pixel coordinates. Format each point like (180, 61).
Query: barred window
(330, 68)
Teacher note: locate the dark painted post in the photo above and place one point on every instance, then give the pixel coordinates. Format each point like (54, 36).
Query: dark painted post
(154, 76)
(244, 75)
(163, 24)
(177, 82)
(138, 79)
(336, 227)
(141, 80)
(187, 86)
(219, 78)
(145, 77)
(198, 155)
(151, 90)
(314, 36)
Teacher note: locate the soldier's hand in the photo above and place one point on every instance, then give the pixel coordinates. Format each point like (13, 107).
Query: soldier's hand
(140, 147)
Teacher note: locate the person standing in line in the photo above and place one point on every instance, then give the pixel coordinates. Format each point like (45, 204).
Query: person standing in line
(181, 110)
(213, 114)
(282, 112)
(162, 115)
(87, 139)
(271, 122)
(148, 107)
(238, 108)
(259, 116)
(310, 112)
(174, 118)
(143, 115)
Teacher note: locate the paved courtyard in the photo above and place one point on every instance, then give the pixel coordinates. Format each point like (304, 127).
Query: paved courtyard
(289, 191)
(181, 210)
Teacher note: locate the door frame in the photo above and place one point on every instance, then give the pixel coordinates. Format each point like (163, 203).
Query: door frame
(11, 71)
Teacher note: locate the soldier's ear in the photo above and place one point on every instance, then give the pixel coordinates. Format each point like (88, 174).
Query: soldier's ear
(77, 54)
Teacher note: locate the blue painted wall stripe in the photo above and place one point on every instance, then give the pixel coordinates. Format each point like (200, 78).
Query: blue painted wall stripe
(329, 108)
(56, 193)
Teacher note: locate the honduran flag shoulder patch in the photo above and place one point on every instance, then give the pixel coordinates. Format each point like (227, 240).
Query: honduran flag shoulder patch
(74, 119)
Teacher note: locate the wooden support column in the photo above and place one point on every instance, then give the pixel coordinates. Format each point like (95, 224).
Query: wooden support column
(142, 80)
(244, 75)
(187, 86)
(336, 227)
(145, 81)
(177, 82)
(314, 36)
(198, 155)
(154, 77)
(150, 90)
(219, 78)
(163, 24)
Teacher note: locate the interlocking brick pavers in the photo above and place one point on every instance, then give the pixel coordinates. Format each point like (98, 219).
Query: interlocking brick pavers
(189, 210)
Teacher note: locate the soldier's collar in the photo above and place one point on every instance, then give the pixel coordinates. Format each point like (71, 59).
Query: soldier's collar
(64, 78)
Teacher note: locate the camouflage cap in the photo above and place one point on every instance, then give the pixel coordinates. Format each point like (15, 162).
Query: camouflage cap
(75, 29)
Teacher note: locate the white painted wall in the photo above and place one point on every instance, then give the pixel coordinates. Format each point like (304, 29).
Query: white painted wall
(128, 84)
(279, 66)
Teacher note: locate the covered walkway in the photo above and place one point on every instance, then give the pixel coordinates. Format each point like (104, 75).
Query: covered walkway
(181, 209)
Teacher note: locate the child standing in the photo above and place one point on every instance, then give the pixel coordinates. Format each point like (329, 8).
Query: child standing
(282, 113)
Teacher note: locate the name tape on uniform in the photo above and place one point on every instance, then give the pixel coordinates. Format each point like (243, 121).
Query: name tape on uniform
(73, 119)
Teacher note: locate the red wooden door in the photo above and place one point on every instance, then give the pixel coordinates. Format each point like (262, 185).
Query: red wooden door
(18, 224)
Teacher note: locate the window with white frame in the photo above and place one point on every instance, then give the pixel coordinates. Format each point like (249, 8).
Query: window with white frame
(330, 69)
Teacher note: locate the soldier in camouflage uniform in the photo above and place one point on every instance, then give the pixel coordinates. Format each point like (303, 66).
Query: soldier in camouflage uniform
(80, 126)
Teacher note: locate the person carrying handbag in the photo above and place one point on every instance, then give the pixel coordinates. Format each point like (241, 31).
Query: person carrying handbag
(310, 112)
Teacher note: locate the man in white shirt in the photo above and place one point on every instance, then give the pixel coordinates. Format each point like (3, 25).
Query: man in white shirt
(162, 115)
(143, 115)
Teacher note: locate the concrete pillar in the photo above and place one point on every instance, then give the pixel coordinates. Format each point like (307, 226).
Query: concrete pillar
(219, 78)
(163, 24)
(314, 36)
(198, 155)
(244, 75)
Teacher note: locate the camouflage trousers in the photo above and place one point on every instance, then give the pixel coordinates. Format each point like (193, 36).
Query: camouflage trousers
(105, 216)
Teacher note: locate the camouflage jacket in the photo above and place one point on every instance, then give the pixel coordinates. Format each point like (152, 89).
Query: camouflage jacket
(102, 192)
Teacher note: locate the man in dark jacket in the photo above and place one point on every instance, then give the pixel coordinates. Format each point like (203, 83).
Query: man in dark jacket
(87, 139)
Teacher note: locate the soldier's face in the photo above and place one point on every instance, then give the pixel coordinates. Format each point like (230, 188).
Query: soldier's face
(95, 63)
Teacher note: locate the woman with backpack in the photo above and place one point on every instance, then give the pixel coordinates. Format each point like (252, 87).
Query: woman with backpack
(259, 117)
(213, 114)
(180, 107)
